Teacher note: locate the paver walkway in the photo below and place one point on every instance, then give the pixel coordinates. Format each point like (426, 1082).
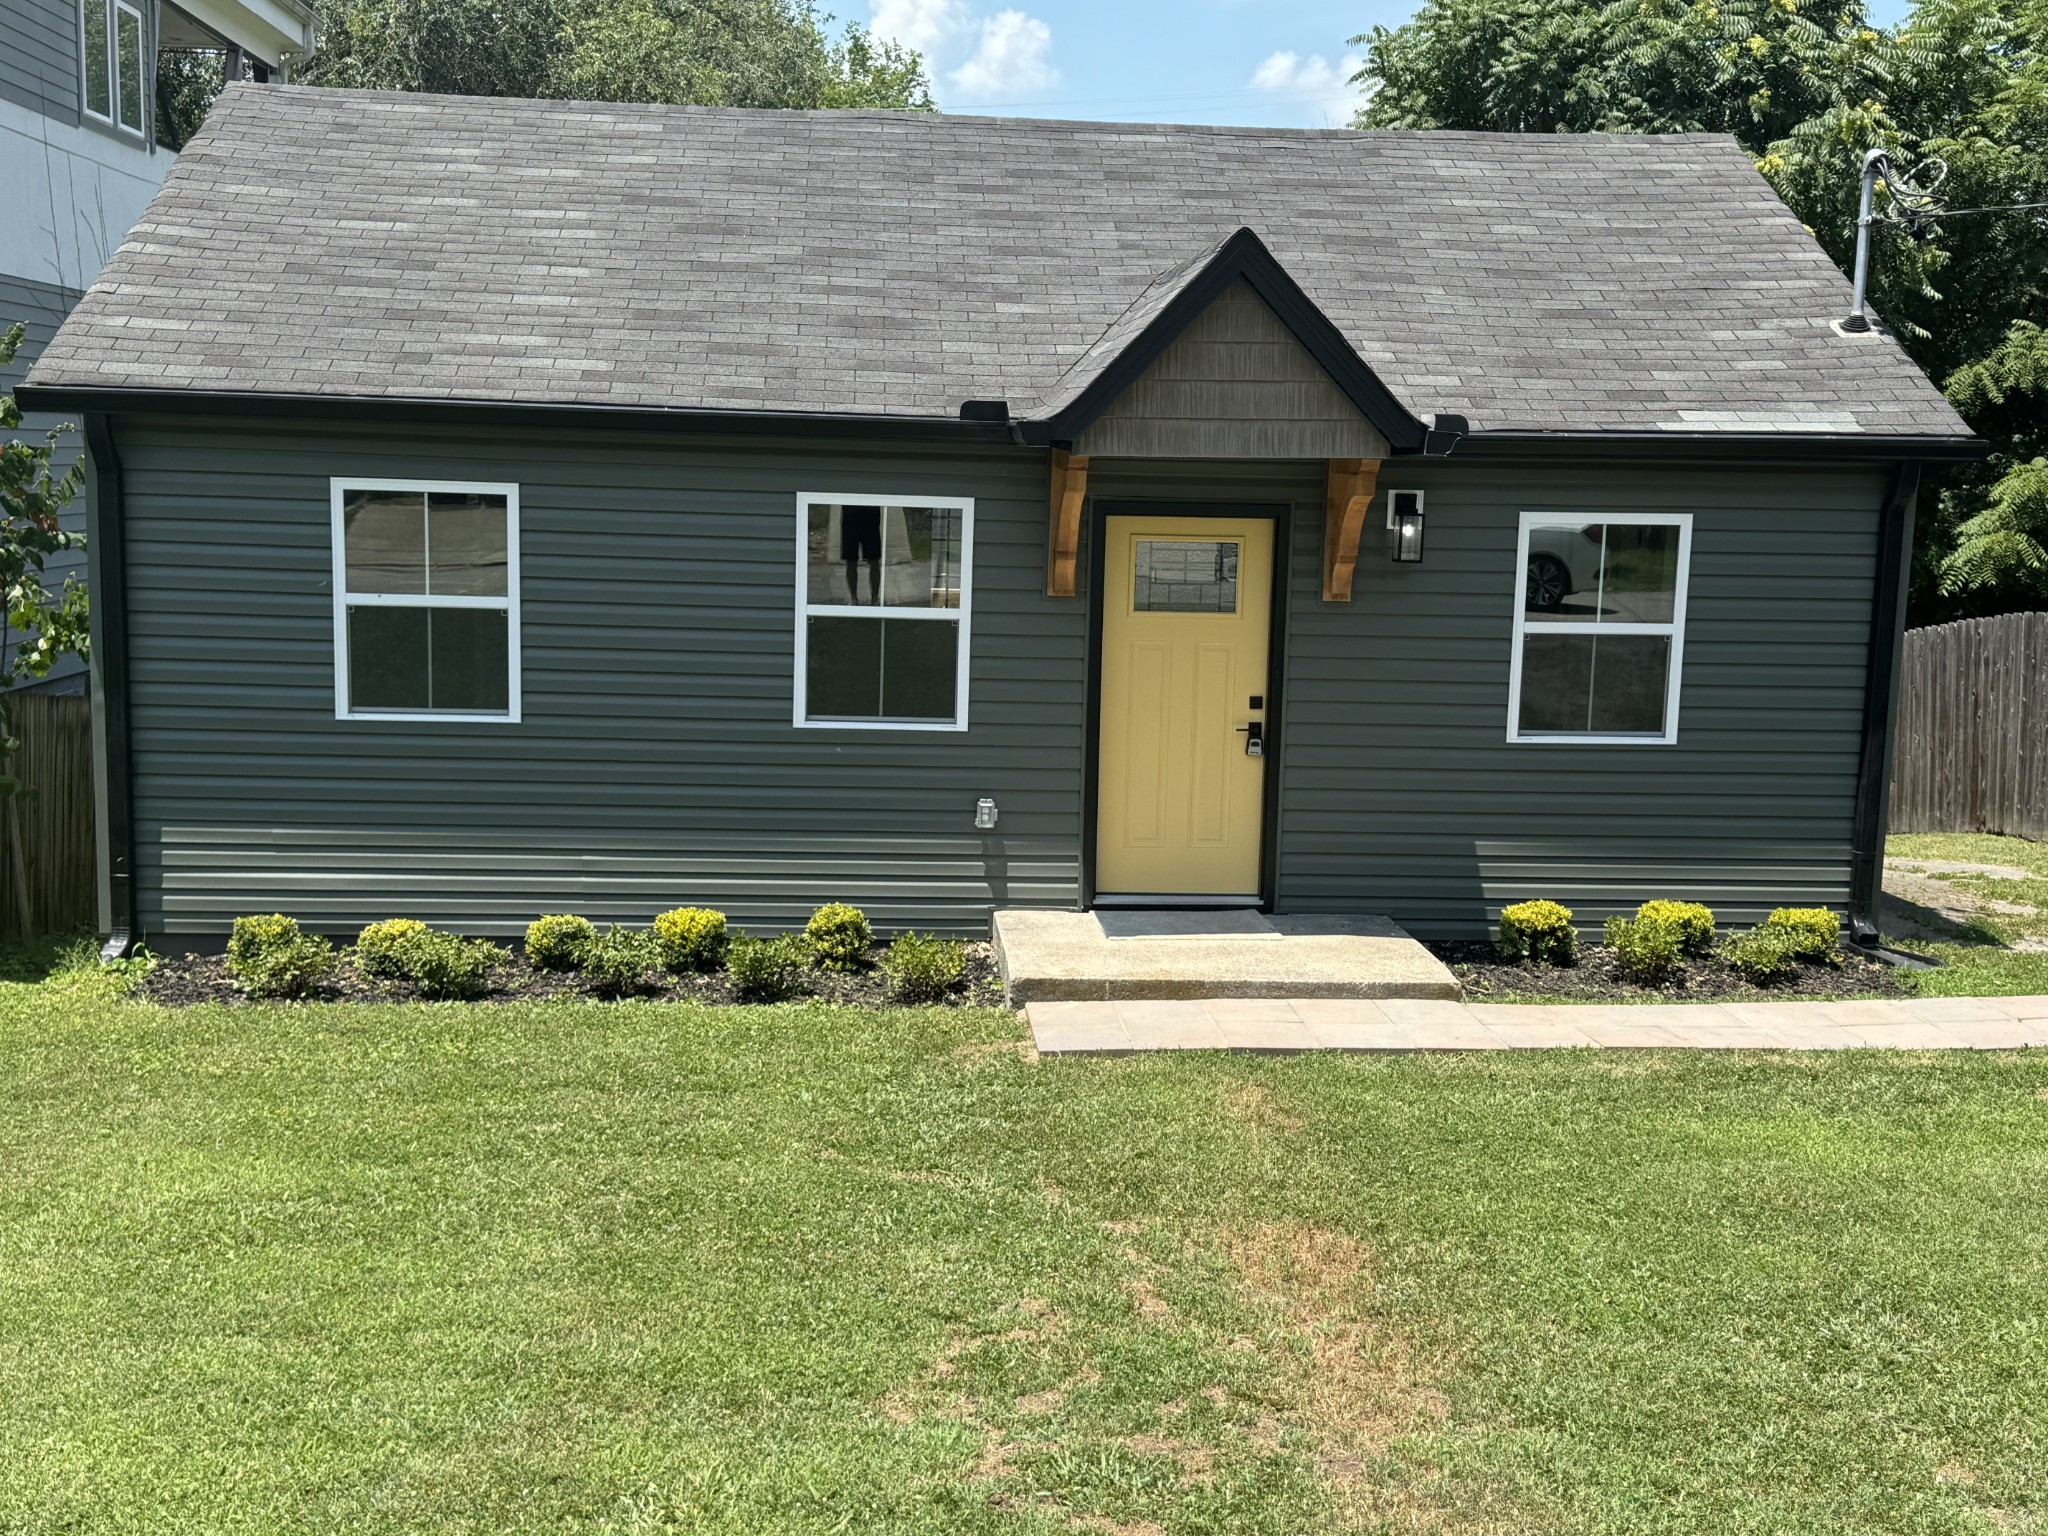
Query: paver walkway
(1350, 1024)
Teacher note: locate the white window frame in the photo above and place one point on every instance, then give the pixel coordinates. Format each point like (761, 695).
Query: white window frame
(1682, 521)
(111, 64)
(807, 610)
(338, 486)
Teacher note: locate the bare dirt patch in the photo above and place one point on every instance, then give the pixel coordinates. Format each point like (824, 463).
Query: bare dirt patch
(1357, 1382)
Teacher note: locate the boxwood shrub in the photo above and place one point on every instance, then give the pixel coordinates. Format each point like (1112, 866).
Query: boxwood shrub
(922, 967)
(446, 965)
(1818, 932)
(380, 948)
(1764, 954)
(622, 961)
(1645, 949)
(768, 970)
(839, 937)
(691, 938)
(1695, 923)
(270, 957)
(1539, 932)
(557, 942)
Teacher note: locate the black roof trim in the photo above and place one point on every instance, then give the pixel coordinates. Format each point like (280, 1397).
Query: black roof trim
(1243, 255)
(368, 408)
(1770, 446)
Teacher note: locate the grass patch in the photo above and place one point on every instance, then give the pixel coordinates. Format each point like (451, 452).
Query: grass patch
(654, 1267)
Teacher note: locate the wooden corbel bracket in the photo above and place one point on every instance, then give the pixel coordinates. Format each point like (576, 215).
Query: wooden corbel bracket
(1350, 490)
(1063, 523)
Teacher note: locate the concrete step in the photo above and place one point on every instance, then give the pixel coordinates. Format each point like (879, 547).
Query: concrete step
(1118, 955)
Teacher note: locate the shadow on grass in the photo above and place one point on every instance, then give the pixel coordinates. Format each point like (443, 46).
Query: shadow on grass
(31, 961)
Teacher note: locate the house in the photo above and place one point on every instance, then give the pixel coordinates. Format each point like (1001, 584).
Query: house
(521, 506)
(79, 151)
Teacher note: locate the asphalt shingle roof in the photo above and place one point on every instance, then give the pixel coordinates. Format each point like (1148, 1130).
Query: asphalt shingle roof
(382, 244)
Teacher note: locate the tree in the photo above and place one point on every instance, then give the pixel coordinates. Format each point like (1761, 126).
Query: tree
(751, 53)
(1807, 86)
(42, 627)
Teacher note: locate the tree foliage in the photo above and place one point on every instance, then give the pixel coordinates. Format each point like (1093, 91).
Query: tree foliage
(42, 626)
(1807, 86)
(742, 53)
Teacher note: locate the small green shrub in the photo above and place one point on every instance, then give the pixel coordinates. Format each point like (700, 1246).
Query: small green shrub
(839, 936)
(691, 938)
(1764, 954)
(622, 961)
(271, 957)
(1818, 931)
(557, 942)
(1645, 949)
(1695, 923)
(768, 970)
(923, 967)
(1539, 932)
(446, 965)
(380, 948)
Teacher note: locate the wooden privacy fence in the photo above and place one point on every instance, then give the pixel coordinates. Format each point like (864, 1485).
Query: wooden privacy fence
(1973, 728)
(48, 882)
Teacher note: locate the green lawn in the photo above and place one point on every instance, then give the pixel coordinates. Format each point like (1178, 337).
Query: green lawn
(1980, 960)
(640, 1268)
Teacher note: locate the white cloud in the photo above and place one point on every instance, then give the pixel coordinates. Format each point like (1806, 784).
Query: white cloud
(919, 24)
(1315, 82)
(1010, 59)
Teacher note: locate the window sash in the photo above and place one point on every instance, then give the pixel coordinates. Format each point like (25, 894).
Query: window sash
(1674, 630)
(102, 57)
(807, 610)
(122, 104)
(344, 599)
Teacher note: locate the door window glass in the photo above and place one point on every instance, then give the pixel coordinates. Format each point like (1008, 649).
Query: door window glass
(1185, 576)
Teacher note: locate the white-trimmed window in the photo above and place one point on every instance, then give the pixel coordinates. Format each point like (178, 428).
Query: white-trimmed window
(1599, 627)
(114, 62)
(883, 598)
(426, 600)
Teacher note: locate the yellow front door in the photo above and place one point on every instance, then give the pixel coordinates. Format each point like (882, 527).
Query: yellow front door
(1186, 604)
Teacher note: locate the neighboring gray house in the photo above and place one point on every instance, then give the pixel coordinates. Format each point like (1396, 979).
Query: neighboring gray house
(79, 158)
(645, 505)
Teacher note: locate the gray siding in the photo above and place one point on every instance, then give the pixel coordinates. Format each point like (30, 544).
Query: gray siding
(42, 307)
(1400, 792)
(656, 763)
(1234, 385)
(39, 56)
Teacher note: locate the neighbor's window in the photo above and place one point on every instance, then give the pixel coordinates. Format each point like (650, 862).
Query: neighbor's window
(1599, 628)
(882, 611)
(426, 599)
(114, 63)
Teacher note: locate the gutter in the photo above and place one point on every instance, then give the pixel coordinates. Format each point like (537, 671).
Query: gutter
(1752, 446)
(250, 405)
(1881, 704)
(107, 575)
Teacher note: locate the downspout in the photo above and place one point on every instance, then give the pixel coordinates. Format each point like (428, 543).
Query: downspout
(1881, 704)
(107, 574)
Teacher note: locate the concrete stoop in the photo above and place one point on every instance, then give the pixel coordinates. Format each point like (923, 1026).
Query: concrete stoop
(1128, 955)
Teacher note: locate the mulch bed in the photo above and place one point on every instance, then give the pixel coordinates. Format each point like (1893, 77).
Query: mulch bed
(1700, 980)
(183, 981)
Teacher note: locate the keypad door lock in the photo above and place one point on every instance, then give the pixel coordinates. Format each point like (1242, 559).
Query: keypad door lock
(1254, 738)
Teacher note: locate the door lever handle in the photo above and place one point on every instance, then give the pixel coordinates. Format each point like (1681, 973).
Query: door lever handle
(1254, 736)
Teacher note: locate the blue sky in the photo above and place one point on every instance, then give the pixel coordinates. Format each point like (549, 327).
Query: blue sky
(1278, 62)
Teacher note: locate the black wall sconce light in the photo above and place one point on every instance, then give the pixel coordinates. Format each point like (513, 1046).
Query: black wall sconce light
(1404, 516)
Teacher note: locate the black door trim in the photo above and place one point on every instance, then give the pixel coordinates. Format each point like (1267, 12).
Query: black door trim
(1281, 515)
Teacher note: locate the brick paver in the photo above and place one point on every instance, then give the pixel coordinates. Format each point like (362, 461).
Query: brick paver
(1351, 1024)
